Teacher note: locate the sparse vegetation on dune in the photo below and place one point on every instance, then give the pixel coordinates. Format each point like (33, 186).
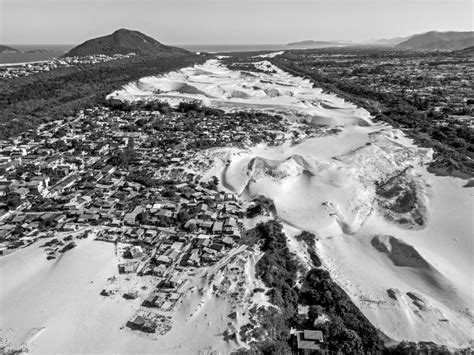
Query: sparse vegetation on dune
(347, 330)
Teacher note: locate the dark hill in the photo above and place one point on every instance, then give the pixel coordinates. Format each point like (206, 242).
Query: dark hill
(440, 41)
(466, 52)
(5, 49)
(125, 41)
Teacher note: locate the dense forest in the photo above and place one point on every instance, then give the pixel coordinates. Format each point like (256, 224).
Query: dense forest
(27, 102)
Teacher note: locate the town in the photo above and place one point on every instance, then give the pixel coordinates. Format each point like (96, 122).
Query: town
(132, 175)
(10, 71)
(437, 83)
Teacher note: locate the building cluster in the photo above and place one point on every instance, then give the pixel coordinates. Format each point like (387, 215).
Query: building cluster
(131, 178)
(25, 69)
(96, 169)
(440, 82)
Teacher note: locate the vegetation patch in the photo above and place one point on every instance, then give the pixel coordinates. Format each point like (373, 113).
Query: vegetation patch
(346, 330)
(27, 102)
(402, 202)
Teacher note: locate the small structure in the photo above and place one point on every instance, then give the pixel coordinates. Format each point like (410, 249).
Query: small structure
(130, 295)
(106, 292)
(143, 323)
(134, 252)
(303, 311)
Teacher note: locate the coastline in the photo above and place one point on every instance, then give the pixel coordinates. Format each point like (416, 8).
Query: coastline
(23, 63)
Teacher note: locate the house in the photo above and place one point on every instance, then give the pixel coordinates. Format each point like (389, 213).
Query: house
(309, 339)
(130, 218)
(177, 246)
(166, 305)
(194, 259)
(39, 184)
(4, 250)
(228, 241)
(127, 268)
(70, 227)
(174, 296)
(143, 323)
(206, 225)
(303, 311)
(159, 270)
(134, 252)
(137, 321)
(217, 247)
(64, 184)
(173, 282)
(163, 259)
(217, 227)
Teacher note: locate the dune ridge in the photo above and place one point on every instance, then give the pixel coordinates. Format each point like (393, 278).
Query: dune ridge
(400, 253)
(270, 90)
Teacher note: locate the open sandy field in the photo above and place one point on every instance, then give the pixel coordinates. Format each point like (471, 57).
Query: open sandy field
(55, 306)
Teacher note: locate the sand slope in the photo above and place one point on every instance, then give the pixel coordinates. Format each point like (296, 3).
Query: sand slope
(335, 198)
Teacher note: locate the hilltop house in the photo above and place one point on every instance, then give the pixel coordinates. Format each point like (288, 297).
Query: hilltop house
(307, 340)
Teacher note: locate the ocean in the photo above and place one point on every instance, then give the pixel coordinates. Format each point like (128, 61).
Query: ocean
(45, 51)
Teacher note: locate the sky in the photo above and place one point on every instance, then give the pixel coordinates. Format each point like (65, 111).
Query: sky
(228, 21)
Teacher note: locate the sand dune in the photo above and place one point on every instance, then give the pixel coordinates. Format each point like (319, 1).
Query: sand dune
(273, 90)
(327, 185)
(400, 253)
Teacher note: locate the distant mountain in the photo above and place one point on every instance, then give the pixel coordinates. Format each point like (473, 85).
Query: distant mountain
(5, 50)
(386, 41)
(42, 51)
(435, 40)
(125, 41)
(314, 44)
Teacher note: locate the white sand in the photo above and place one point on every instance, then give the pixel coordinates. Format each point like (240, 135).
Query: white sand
(334, 198)
(215, 85)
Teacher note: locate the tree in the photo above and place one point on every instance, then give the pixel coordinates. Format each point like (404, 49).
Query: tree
(12, 200)
(183, 216)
